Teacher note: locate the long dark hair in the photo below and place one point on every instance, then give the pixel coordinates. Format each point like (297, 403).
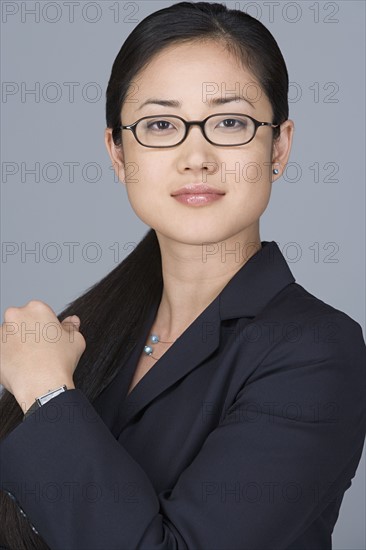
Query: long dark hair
(113, 310)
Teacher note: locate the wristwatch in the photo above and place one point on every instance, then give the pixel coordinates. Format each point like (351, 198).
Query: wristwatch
(43, 399)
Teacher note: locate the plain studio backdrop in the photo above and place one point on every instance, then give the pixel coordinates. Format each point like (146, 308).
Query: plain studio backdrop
(66, 221)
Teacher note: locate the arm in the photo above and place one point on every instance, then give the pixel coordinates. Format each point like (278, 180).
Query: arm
(259, 480)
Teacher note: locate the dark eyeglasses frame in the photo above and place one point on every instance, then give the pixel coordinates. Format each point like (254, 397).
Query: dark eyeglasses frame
(201, 124)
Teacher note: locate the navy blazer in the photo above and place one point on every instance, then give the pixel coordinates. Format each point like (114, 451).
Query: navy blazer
(244, 435)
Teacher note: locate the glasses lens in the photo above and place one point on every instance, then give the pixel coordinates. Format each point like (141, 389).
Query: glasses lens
(160, 131)
(230, 129)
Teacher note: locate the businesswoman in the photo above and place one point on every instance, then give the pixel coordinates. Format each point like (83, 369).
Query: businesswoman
(197, 397)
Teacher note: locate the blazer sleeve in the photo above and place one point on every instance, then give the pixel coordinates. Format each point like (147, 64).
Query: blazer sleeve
(283, 450)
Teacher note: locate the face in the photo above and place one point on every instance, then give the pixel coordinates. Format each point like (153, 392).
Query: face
(194, 74)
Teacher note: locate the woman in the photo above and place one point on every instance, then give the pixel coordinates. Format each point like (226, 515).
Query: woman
(197, 397)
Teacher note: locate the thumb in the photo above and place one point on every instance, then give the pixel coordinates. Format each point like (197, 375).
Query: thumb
(71, 323)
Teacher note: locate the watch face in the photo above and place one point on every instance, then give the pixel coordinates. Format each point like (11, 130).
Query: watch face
(43, 399)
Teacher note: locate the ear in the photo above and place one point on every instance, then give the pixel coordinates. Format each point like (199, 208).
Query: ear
(116, 155)
(282, 147)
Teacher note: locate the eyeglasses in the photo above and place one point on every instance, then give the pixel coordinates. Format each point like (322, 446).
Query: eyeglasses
(222, 129)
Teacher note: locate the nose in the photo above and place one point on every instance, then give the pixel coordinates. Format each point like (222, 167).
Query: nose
(196, 153)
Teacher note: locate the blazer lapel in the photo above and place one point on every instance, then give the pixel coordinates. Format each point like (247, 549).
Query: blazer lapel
(263, 276)
(194, 345)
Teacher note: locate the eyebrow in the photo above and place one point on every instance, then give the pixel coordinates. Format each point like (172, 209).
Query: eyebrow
(177, 104)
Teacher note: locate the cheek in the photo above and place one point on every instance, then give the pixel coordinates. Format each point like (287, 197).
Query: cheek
(249, 173)
(145, 173)
(249, 183)
(147, 189)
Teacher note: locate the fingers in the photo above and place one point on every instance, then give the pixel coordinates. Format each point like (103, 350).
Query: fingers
(71, 322)
(31, 310)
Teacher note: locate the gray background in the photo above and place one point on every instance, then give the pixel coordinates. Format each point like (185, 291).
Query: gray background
(317, 210)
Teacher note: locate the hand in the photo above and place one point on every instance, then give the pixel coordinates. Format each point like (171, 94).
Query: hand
(38, 353)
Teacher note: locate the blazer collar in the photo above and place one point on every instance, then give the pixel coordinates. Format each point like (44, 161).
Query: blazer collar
(264, 275)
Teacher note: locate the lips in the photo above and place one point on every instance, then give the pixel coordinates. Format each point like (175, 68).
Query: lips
(197, 189)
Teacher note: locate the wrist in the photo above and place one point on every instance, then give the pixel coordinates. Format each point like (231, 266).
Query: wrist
(27, 397)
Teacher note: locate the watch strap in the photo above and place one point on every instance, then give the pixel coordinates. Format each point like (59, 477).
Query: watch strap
(43, 399)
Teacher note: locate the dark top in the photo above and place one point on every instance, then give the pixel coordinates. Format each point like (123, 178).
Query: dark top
(244, 435)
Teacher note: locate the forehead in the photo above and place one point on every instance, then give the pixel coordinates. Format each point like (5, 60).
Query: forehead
(193, 74)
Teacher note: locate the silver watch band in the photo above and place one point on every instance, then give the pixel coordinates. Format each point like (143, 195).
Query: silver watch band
(43, 399)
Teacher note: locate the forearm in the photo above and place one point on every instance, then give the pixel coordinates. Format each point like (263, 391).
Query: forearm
(71, 451)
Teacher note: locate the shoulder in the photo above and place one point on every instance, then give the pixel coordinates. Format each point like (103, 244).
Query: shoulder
(295, 304)
(298, 332)
(319, 348)
(310, 354)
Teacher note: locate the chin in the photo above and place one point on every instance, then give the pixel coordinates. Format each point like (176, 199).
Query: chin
(196, 235)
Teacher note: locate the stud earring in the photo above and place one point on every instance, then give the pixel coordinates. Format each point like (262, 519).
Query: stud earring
(276, 171)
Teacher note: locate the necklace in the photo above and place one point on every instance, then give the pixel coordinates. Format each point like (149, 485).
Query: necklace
(154, 338)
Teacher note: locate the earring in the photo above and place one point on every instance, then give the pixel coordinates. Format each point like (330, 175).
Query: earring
(276, 171)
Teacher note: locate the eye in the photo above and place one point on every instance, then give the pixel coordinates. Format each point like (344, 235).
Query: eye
(162, 125)
(234, 123)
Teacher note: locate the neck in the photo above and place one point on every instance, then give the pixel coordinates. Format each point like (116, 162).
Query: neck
(194, 275)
